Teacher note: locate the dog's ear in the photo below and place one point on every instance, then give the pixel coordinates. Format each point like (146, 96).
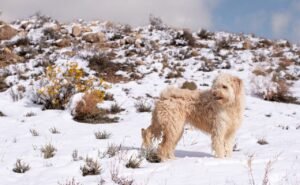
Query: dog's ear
(238, 84)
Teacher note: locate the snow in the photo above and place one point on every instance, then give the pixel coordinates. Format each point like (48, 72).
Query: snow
(277, 123)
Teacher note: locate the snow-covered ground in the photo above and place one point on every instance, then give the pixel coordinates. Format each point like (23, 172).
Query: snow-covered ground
(276, 123)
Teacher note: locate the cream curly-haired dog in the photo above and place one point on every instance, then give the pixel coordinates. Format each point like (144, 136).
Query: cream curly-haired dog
(217, 111)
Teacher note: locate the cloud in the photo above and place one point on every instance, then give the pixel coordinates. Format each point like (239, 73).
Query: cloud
(188, 13)
(280, 23)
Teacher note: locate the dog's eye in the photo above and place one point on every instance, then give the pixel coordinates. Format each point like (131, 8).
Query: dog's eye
(224, 87)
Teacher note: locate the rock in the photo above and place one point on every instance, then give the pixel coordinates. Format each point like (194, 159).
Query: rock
(86, 29)
(7, 57)
(64, 42)
(76, 31)
(247, 44)
(7, 32)
(94, 37)
(189, 85)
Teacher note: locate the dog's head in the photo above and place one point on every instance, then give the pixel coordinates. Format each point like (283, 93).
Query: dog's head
(227, 89)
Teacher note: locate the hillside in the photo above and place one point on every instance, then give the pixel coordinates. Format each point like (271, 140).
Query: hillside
(47, 67)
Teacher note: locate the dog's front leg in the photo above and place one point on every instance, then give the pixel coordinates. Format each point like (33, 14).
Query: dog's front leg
(217, 139)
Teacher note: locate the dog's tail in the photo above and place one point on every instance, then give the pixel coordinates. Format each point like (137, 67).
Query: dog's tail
(173, 92)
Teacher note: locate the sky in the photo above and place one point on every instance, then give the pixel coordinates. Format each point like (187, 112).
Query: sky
(274, 19)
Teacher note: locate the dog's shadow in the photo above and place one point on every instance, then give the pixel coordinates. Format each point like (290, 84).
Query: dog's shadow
(184, 153)
(178, 153)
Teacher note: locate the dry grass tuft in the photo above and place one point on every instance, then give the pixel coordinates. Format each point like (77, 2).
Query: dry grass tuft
(142, 106)
(91, 167)
(54, 130)
(151, 156)
(34, 132)
(30, 114)
(116, 178)
(102, 135)
(48, 151)
(112, 150)
(70, 182)
(2, 114)
(115, 108)
(262, 141)
(21, 167)
(134, 162)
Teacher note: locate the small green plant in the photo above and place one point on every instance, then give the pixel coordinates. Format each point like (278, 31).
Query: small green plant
(91, 167)
(102, 135)
(48, 151)
(20, 167)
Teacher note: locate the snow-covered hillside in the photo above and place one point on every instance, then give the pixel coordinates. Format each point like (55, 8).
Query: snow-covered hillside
(136, 64)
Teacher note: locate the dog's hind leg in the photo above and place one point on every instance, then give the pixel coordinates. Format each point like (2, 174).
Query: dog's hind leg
(170, 140)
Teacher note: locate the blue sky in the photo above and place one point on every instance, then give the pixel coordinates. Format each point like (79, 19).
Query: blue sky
(266, 18)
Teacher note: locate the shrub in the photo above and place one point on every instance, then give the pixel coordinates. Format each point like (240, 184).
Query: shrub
(156, 22)
(17, 92)
(102, 135)
(87, 111)
(59, 85)
(20, 167)
(222, 44)
(109, 97)
(204, 34)
(188, 36)
(91, 167)
(22, 41)
(134, 162)
(48, 151)
(271, 87)
(142, 106)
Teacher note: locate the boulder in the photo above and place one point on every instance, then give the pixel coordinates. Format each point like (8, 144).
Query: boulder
(64, 42)
(76, 31)
(7, 32)
(94, 37)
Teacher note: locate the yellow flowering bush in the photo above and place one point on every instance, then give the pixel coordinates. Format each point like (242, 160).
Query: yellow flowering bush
(60, 85)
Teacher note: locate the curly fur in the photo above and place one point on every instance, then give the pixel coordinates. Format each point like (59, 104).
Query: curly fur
(217, 111)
